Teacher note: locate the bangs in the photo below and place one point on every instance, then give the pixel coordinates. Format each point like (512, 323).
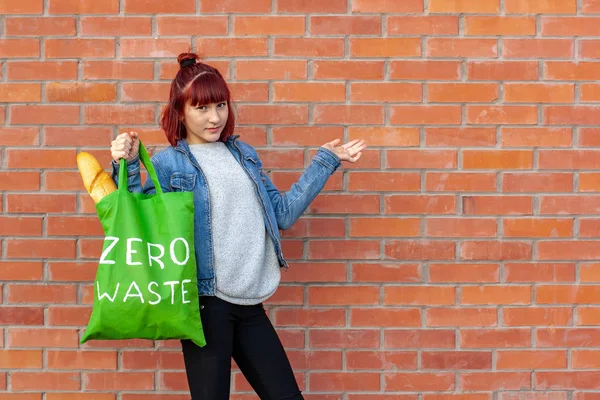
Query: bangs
(205, 89)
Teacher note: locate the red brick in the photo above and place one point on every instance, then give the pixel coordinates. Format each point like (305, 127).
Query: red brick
(538, 48)
(495, 338)
(348, 295)
(391, 227)
(497, 159)
(419, 339)
(567, 294)
(420, 250)
(118, 381)
(569, 380)
(151, 7)
(386, 92)
(385, 317)
(538, 228)
(44, 114)
(461, 47)
(21, 271)
(20, 48)
(78, 360)
(510, 115)
(351, 114)
(80, 48)
(538, 93)
(43, 337)
(21, 359)
(116, 26)
(39, 248)
(76, 136)
(459, 137)
(499, 26)
(119, 114)
(21, 316)
(272, 114)
(344, 381)
(37, 203)
(488, 381)
(196, 25)
(541, 7)
(537, 182)
(19, 226)
(502, 70)
(496, 295)
(385, 47)
(63, 381)
(459, 360)
(568, 204)
(425, 115)
(309, 92)
(495, 250)
(422, 25)
(569, 26)
(472, 273)
(49, 26)
(387, 6)
(68, 316)
(419, 296)
(461, 317)
(344, 25)
(346, 249)
(19, 181)
(384, 181)
(462, 92)
(419, 381)
(306, 47)
(315, 272)
(344, 338)
(321, 317)
(539, 316)
(459, 227)
(425, 70)
(269, 26)
(236, 6)
(42, 70)
(505, 205)
(311, 6)
(118, 70)
(81, 92)
(83, 7)
(146, 48)
(460, 182)
(385, 272)
(347, 70)
(28, 294)
(539, 272)
(271, 69)
(465, 6)
(536, 137)
(22, 7)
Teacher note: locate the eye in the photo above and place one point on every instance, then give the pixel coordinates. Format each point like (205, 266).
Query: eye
(201, 107)
(221, 105)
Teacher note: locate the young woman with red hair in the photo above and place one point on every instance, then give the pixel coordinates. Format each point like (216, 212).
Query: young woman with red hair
(238, 215)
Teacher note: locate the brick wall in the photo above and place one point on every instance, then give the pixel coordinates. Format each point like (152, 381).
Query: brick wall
(456, 260)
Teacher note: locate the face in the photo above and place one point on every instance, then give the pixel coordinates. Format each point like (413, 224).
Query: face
(204, 123)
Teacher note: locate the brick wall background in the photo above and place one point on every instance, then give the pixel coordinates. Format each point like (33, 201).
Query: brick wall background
(456, 260)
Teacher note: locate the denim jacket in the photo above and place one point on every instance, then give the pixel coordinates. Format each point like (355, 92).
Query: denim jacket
(178, 171)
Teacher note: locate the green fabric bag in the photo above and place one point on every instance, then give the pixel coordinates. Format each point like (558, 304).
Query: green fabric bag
(146, 284)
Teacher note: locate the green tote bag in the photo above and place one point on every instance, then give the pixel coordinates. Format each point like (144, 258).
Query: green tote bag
(146, 284)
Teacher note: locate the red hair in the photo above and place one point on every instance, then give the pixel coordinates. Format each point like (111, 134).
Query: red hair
(196, 83)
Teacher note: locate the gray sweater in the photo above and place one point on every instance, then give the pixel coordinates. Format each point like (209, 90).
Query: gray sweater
(246, 266)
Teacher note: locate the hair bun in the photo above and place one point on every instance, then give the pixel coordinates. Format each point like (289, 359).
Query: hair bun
(187, 59)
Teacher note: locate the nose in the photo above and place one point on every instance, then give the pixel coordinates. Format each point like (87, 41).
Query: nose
(214, 116)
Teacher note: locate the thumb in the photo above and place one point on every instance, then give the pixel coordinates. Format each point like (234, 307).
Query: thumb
(133, 135)
(334, 142)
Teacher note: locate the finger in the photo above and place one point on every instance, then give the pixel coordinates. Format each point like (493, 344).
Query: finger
(350, 144)
(334, 142)
(355, 158)
(358, 147)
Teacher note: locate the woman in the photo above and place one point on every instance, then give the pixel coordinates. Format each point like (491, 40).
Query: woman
(238, 214)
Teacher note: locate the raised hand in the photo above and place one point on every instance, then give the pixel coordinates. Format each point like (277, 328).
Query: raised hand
(126, 145)
(350, 151)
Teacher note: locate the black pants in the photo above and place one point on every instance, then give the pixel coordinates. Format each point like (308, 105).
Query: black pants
(246, 334)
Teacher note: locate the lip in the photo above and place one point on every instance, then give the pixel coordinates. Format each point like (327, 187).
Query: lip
(213, 129)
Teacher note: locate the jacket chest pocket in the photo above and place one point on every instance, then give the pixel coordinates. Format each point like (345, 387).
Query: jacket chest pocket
(182, 182)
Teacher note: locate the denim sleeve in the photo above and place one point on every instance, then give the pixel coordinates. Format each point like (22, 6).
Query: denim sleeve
(290, 205)
(134, 180)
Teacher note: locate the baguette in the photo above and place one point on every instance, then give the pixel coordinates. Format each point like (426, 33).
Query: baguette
(96, 181)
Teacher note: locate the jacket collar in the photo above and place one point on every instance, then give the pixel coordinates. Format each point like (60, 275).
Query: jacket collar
(183, 146)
